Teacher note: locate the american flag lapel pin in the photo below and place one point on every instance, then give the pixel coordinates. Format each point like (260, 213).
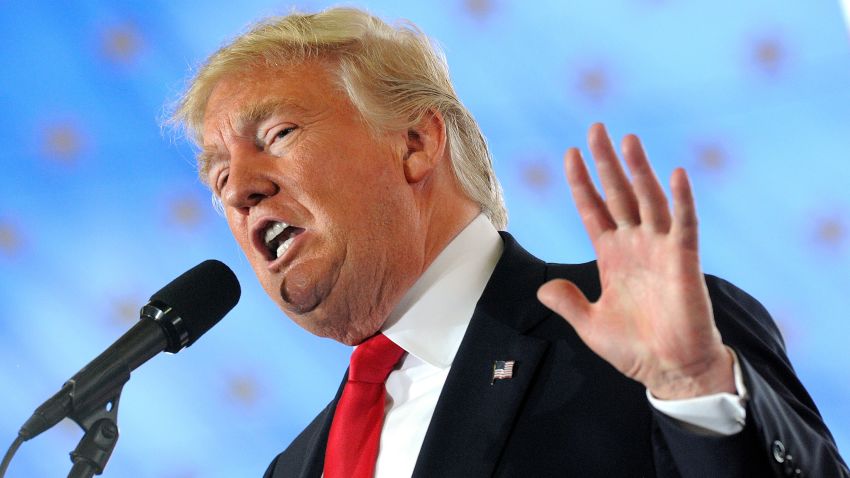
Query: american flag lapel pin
(502, 370)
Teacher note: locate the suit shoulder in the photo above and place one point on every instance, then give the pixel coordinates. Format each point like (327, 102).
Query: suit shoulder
(584, 275)
(735, 309)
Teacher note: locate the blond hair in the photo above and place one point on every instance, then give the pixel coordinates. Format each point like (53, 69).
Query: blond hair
(393, 75)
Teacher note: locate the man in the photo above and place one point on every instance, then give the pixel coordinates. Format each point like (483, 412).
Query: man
(361, 191)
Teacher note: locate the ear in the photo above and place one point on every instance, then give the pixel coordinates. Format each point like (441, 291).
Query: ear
(426, 145)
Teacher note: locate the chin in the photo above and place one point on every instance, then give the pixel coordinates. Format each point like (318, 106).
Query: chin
(346, 330)
(339, 305)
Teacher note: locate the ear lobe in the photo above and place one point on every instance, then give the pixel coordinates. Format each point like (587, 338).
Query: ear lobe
(426, 145)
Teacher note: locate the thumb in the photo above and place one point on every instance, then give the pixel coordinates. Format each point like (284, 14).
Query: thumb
(565, 298)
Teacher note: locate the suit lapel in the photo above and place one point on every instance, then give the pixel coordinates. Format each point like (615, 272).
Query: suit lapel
(475, 414)
(473, 417)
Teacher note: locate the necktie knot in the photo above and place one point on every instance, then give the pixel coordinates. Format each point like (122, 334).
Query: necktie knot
(374, 359)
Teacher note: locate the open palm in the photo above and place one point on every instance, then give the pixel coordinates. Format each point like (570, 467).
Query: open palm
(653, 321)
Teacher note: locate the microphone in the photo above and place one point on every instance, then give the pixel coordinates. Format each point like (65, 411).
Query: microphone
(176, 316)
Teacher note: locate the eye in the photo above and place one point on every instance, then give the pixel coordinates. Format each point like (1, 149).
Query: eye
(274, 140)
(283, 132)
(221, 182)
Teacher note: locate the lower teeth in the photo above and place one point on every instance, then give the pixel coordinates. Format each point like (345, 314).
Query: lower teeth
(281, 249)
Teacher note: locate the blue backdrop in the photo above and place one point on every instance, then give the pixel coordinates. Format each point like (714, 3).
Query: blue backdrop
(99, 208)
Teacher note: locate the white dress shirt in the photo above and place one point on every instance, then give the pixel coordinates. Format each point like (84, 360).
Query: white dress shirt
(429, 324)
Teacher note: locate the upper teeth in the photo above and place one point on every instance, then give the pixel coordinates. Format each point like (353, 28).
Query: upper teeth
(274, 230)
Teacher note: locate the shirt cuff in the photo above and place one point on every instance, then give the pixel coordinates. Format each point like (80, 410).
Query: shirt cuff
(719, 414)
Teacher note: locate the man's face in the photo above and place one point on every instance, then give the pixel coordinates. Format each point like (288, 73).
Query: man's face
(317, 201)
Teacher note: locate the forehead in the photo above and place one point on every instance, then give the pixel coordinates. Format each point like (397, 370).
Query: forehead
(255, 92)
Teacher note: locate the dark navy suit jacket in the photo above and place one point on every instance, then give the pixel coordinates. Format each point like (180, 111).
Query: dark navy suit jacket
(567, 412)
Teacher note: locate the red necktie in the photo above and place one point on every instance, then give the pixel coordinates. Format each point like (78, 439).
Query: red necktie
(356, 428)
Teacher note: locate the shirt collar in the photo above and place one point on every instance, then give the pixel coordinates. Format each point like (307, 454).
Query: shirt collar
(433, 315)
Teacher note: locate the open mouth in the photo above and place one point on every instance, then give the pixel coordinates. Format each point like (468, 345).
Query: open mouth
(277, 237)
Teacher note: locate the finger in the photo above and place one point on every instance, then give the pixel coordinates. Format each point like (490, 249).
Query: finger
(565, 299)
(684, 227)
(591, 208)
(619, 195)
(652, 202)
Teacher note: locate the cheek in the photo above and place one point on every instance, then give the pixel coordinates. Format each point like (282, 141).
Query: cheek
(238, 228)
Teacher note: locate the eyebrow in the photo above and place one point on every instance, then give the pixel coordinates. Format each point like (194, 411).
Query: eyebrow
(205, 159)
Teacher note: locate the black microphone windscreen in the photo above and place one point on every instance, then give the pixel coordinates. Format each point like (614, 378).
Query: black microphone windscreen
(201, 296)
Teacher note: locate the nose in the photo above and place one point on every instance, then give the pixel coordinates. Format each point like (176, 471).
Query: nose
(250, 180)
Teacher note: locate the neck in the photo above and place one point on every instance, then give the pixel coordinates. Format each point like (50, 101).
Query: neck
(444, 225)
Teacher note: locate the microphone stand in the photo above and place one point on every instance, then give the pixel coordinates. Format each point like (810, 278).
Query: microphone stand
(100, 424)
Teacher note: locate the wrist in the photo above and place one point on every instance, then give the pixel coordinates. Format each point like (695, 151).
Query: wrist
(715, 376)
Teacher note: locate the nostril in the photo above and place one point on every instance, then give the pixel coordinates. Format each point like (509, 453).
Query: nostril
(240, 198)
(256, 198)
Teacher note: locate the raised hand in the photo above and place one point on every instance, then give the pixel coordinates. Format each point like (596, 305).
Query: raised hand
(653, 321)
